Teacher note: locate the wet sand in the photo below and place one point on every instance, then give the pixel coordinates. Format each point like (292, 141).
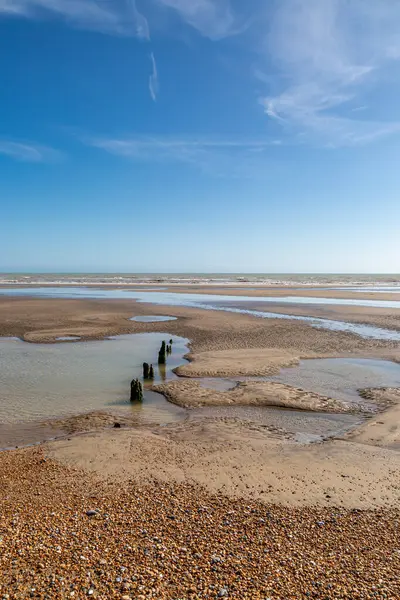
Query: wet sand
(246, 362)
(241, 460)
(190, 393)
(387, 318)
(43, 320)
(277, 291)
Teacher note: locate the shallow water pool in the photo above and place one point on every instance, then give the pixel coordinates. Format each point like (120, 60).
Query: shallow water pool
(341, 378)
(42, 381)
(152, 319)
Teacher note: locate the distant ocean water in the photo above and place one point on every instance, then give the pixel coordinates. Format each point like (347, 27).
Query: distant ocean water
(215, 279)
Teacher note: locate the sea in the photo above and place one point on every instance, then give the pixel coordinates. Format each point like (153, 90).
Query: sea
(385, 281)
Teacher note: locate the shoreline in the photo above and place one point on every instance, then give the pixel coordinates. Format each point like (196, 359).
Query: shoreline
(226, 289)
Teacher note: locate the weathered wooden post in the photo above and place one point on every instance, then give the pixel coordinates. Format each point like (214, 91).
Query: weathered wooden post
(136, 391)
(145, 370)
(162, 354)
(151, 372)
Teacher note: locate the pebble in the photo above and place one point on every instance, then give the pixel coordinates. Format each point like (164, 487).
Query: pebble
(266, 552)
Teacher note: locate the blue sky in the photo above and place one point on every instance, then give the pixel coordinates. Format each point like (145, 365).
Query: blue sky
(200, 135)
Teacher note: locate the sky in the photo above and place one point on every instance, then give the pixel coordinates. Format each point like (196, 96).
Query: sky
(200, 135)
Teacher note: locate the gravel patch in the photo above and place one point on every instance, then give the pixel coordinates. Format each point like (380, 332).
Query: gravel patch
(64, 534)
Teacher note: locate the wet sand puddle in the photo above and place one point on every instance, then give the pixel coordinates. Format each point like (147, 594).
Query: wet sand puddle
(152, 319)
(232, 304)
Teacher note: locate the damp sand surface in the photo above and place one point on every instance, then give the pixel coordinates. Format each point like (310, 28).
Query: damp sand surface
(296, 425)
(218, 384)
(21, 435)
(234, 304)
(190, 299)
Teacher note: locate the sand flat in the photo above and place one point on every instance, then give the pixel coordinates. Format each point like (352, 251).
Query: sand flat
(244, 362)
(384, 430)
(190, 393)
(43, 320)
(240, 461)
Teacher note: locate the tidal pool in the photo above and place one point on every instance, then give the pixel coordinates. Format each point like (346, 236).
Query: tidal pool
(152, 319)
(341, 378)
(43, 381)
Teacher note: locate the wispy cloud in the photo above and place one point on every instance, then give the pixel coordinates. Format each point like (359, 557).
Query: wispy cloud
(153, 79)
(28, 152)
(119, 17)
(326, 54)
(212, 18)
(221, 157)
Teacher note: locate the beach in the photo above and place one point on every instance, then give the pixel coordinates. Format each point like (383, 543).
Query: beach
(65, 534)
(199, 300)
(223, 499)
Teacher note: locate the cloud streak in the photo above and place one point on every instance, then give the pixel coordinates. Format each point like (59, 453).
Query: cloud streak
(327, 54)
(119, 17)
(153, 79)
(221, 157)
(28, 152)
(214, 19)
